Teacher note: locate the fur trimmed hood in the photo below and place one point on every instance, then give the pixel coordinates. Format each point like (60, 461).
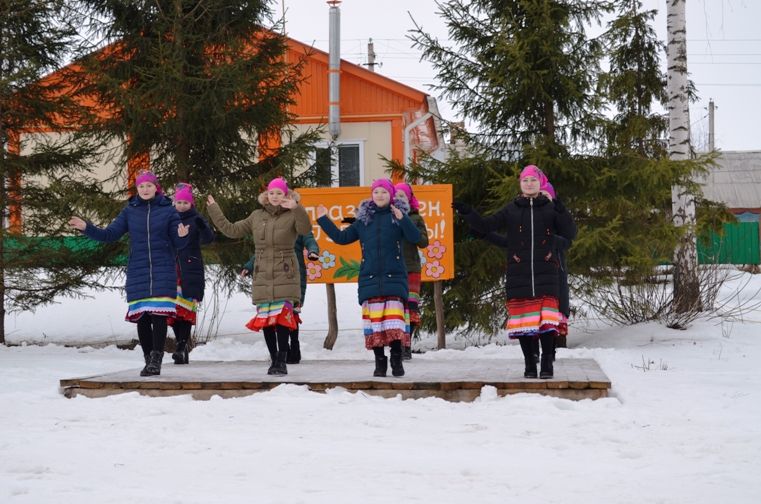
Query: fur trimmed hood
(367, 209)
(264, 202)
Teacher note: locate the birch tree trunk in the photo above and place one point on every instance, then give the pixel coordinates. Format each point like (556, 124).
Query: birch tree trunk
(686, 282)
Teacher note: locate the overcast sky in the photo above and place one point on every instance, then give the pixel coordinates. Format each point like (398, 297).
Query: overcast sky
(723, 44)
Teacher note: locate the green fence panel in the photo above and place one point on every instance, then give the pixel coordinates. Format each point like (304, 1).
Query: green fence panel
(739, 244)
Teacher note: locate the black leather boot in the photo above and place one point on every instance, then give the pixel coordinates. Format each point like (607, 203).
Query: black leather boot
(381, 362)
(180, 355)
(527, 347)
(397, 369)
(153, 368)
(294, 350)
(279, 367)
(548, 349)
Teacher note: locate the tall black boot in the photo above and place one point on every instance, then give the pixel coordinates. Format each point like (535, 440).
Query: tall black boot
(407, 352)
(294, 349)
(182, 336)
(548, 347)
(397, 369)
(381, 362)
(154, 365)
(527, 347)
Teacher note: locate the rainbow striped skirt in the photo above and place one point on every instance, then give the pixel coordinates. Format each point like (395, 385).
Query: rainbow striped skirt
(532, 316)
(384, 319)
(165, 306)
(274, 313)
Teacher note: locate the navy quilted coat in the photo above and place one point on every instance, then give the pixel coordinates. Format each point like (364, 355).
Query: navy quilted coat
(189, 258)
(382, 272)
(153, 243)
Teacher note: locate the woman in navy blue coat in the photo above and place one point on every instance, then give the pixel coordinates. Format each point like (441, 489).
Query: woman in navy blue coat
(190, 270)
(381, 228)
(155, 233)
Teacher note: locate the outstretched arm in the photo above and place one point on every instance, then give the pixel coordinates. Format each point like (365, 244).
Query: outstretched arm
(111, 233)
(237, 229)
(341, 237)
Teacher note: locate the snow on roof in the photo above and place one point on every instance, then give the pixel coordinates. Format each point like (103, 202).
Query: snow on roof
(735, 180)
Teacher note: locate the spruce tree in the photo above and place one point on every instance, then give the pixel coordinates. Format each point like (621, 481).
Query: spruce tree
(524, 72)
(43, 179)
(530, 78)
(198, 88)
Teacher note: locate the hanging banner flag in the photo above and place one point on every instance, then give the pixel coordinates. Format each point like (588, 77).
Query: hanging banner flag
(340, 263)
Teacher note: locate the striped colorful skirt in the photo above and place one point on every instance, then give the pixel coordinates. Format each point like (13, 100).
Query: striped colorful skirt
(385, 320)
(413, 300)
(532, 316)
(165, 306)
(272, 314)
(186, 307)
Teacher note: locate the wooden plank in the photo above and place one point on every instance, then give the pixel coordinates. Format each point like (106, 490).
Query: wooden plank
(459, 380)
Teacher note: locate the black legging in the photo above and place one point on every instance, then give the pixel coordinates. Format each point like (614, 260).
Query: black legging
(182, 330)
(151, 330)
(276, 338)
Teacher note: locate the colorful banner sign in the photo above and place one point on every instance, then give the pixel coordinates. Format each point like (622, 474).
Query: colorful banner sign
(340, 263)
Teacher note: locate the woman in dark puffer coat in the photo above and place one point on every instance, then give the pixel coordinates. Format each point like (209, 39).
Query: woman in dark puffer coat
(155, 233)
(381, 227)
(533, 268)
(190, 271)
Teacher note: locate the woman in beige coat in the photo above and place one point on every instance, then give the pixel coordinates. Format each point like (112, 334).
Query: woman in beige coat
(276, 277)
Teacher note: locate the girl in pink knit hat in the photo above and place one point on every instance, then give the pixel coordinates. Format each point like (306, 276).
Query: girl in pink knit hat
(276, 278)
(381, 226)
(155, 234)
(190, 271)
(412, 261)
(531, 221)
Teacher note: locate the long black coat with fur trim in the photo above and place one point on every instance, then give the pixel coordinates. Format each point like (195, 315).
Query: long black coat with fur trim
(533, 266)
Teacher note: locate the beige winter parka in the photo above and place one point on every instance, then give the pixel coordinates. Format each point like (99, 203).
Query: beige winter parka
(276, 276)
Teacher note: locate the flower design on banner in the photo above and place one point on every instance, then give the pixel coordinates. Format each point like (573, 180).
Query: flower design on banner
(433, 269)
(314, 270)
(436, 250)
(327, 259)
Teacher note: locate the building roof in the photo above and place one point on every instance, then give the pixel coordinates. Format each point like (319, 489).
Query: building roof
(735, 180)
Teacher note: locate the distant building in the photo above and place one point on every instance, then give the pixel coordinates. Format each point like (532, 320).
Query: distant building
(736, 182)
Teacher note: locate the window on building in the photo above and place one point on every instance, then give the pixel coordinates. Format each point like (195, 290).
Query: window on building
(340, 168)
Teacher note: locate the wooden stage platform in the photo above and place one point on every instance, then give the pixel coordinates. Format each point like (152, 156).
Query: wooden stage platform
(452, 380)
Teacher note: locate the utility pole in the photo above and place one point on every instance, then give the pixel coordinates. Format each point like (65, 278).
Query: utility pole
(371, 55)
(686, 281)
(711, 137)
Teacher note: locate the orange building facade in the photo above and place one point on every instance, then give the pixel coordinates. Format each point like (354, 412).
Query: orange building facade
(379, 117)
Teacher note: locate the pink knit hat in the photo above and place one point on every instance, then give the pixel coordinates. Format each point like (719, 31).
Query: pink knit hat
(278, 183)
(407, 190)
(548, 187)
(184, 192)
(386, 184)
(534, 171)
(148, 176)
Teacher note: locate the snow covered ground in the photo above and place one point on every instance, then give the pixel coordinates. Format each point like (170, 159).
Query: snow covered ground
(683, 424)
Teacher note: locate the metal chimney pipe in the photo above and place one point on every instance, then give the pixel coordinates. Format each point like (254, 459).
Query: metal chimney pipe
(334, 70)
